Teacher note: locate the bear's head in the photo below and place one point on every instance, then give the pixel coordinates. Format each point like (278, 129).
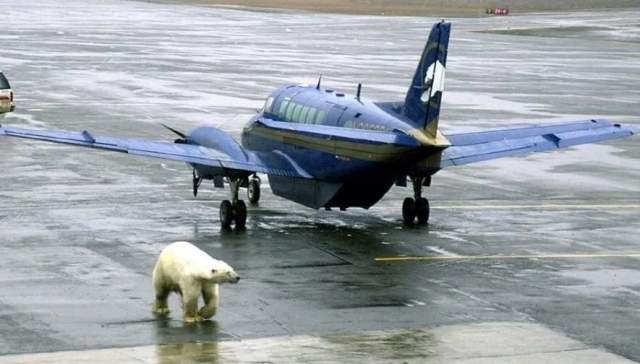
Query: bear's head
(222, 272)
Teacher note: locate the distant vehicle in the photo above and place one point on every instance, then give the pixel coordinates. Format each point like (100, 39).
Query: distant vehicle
(498, 11)
(323, 148)
(6, 95)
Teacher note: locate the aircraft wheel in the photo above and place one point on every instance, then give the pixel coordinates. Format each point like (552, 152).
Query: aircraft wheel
(240, 214)
(226, 214)
(253, 191)
(409, 211)
(422, 210)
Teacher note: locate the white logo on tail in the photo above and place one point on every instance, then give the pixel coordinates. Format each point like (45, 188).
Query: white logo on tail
(433, 81)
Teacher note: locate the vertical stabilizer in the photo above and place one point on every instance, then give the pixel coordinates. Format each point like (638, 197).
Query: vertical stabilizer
(422, 103)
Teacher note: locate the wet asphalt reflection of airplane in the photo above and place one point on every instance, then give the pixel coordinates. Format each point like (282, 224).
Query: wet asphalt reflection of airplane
(323, 148)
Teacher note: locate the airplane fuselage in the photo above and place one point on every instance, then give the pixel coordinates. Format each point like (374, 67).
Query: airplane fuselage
(347, 172)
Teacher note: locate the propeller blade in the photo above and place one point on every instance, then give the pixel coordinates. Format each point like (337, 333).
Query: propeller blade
(178, 132)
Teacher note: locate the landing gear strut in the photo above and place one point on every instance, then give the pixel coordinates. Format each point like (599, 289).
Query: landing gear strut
(416, 208)
(234, 211)
(197, 180)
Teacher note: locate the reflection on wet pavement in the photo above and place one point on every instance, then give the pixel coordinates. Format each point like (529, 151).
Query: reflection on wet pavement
(494, 342)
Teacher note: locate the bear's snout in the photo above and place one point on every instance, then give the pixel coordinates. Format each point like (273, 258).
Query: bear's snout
(235, 278)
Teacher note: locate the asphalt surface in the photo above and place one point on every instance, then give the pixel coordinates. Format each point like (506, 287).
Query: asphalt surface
(548, 240)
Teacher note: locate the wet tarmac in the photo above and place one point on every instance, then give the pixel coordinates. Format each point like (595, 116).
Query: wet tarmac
(489, 342)
(545, 243)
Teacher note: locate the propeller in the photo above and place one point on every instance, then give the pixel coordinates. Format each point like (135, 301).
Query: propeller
(197, 180)
(183, 136)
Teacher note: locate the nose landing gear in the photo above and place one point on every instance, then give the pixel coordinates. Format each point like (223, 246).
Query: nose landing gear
(416, 208)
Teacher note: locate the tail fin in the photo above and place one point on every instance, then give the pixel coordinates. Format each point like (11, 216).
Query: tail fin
(422, 103)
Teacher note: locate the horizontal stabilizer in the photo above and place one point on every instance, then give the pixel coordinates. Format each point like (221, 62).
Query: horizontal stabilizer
(485, 145)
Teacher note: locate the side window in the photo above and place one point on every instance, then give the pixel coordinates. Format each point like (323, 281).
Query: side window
(320, 117)
(296, 113)
(283, 108)
(268, 104)
(289, 114)
(303, 114)
(4, 84)
(311, 116)
(349, 124)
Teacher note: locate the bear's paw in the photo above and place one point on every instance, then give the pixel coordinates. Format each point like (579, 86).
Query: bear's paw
(193, 319)
(161, 311)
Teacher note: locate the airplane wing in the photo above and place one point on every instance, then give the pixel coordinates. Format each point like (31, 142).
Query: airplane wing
(492, 144)
(250, 162)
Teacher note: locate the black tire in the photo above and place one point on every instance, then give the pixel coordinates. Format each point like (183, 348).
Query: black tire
(408, 211)
(240, 214)
(226, 214)
(422, 210)
(253, 191)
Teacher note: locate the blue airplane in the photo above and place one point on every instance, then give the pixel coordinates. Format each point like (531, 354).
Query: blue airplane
(323, 148)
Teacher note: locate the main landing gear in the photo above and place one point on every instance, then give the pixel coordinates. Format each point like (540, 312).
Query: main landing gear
(253, 190)
(417, 208)
(235, 211)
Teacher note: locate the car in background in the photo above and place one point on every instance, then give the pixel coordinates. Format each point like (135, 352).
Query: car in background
(6, 95)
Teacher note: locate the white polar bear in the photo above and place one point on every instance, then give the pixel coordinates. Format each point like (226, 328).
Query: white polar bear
(189, 271)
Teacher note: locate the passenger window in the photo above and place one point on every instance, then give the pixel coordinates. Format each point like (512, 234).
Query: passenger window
(311, 116)
(289, 115)
(268, 104)
(303, 114)
(320, 117)
(348, 124)
(296, 113)
(283, 108)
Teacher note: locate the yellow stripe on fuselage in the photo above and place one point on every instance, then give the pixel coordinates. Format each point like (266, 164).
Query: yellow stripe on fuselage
(378, 152)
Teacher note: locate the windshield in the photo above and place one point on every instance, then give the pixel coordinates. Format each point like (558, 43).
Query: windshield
(4, 84)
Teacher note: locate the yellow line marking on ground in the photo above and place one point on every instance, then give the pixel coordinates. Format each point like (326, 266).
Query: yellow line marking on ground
(545, 206)
(499, 257)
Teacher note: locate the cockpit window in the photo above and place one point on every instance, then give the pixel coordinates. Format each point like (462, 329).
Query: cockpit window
(268, 104)
(4, 84)
(303, 114)
(289, 114)
(311, 116)
(283, 108)
(296, 113)
(320, 117)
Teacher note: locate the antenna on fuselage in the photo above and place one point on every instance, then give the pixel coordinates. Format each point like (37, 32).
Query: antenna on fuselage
(358, 92)
(318, 84)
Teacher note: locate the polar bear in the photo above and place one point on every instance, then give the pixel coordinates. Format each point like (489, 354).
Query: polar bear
(189, 271)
